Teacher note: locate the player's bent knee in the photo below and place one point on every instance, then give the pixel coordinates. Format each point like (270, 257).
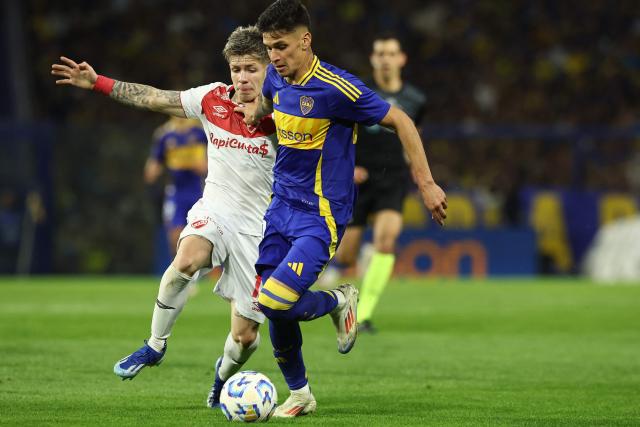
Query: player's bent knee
(187, 265)
(245, 338)
(193, 254)
(246, 334)
(277, 314)
(386, 246)
(276, 300)
(385, 242)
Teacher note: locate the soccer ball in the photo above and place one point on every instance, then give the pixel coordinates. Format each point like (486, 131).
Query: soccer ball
(248, 396)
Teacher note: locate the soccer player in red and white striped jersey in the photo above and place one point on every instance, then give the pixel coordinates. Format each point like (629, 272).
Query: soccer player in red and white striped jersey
(224, 227)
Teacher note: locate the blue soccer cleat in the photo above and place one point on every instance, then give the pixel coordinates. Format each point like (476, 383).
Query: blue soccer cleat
(127, 368)
(213, 400)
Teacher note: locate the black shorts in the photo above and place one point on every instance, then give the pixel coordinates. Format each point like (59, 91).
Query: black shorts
(379, 193)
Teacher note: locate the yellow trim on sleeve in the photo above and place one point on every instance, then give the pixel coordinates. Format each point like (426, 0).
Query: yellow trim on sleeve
(346, 83)
(347, 94)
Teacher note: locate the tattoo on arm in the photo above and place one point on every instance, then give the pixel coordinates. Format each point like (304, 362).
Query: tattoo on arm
(145, 97)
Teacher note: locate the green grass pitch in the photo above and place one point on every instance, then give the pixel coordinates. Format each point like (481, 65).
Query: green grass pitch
(458, 353)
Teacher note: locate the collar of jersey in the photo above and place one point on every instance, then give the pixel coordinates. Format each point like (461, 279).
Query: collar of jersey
(314, 66)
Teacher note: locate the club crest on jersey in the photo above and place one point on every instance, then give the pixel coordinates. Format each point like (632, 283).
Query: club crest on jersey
(306, 104)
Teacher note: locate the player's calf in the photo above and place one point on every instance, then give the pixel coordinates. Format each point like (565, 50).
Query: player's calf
(237, 350)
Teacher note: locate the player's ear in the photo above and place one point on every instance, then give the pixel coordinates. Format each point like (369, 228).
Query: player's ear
(305, 41)
(403, 59)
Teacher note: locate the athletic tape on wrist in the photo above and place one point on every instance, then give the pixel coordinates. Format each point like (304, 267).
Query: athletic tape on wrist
(103, 85)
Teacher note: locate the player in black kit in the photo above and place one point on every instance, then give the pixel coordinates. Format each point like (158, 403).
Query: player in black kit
(383, 177)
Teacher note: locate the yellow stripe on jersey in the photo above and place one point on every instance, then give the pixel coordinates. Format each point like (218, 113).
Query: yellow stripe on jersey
(185, 156)
(344, 82)
(325, 210)
(276, 99)
(347, 85)
(267, 301)
(302, 133)
(311, 71)
(337, 85)
(347, 94)
(340, 80)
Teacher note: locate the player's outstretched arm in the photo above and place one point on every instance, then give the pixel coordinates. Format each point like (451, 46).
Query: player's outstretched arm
(434, 198)
(255, 110)
(137, 95)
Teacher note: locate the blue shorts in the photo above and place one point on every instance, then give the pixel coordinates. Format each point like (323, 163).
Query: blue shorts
(175, 211)
(296, 246)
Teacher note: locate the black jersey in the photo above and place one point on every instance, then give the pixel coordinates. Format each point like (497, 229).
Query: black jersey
(378, 149)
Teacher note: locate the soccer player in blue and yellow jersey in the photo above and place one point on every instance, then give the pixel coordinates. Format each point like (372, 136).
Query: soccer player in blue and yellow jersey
(316, 108)
(180, 147)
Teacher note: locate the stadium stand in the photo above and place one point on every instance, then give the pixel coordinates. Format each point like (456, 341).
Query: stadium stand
(521, 95)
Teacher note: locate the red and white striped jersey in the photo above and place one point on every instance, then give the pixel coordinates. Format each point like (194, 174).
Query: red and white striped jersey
(240, 157)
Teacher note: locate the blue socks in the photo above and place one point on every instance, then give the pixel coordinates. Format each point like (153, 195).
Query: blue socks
(286, 336)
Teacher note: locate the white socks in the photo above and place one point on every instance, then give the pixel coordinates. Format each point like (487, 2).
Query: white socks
(172, 296)
(235, 356)
(340, 297)
(304, 391)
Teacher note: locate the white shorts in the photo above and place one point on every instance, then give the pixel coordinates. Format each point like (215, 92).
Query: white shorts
(235, 252)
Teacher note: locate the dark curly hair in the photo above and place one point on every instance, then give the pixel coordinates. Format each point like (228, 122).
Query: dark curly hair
(283, 16)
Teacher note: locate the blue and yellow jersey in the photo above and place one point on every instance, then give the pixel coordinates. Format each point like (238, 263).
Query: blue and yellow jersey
(317, 126)
(181, 151)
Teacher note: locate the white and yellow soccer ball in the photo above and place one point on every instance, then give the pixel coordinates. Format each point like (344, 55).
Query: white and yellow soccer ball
(248, 396)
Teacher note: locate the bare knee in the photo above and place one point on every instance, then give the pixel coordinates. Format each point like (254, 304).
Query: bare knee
(384, 239)
(347, 253)
(245, 337)
(188, 264)
(386, 229)
(347, 258)
(385, 245)
(194, 253)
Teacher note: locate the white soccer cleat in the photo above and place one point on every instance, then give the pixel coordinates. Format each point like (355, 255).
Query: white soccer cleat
(344, 318)
(298, 403)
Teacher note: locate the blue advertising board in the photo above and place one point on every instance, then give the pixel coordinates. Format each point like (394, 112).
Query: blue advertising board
(474, 253)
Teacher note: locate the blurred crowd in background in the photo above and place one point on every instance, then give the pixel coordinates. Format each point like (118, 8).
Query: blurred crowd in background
(520, 94)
